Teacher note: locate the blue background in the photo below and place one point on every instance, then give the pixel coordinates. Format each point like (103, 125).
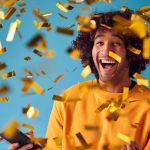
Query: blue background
(61, 63)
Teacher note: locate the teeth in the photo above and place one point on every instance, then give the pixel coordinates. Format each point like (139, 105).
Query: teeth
(108, 61)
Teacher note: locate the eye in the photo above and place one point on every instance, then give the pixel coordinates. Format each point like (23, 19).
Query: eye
(99, 43)
(116, 44)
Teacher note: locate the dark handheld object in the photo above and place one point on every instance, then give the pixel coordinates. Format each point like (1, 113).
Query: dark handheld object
(20, 138)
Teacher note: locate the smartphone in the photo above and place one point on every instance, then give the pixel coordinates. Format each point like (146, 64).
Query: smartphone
(20, 138)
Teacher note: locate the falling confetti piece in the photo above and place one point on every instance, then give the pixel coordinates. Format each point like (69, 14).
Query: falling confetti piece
(32, 113)
(9, 13)
(62, 16)
(11, 32)
(64, 31)
(58, 78)
(28, 126)
(114, 56)
(140, 79)
(134, 50)
(61, 7)
(146, 48)
(86, 71)
(124, 138)
(125, 93)
(8, 75)
(11, 129)
(4, 99)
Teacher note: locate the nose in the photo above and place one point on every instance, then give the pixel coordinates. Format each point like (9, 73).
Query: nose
(106, 48)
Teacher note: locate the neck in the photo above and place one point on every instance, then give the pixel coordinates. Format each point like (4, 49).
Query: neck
(115, 87)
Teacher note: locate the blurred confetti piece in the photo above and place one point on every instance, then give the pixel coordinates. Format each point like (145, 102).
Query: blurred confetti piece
(35, 51)
(26, 70)
(113, 116)
(9, 13)
(140, 79)
(134, 50)
(4, 99)
(74, 53)
(112, 107)
(75, 1)
(58, 98)
(2, 15)
(123, 8)
(4, 89)
(27, 58)
(2, 65)
(91, 128)
(134, 27)
(32, 113)
(82, 140)
(145, 10)
(146, 48)
(8, 3)
(37, 13)
(86, 71)
(49, 53)
(11, 129)
(11, 32)
(69, 7)
(62, 16)
(69, 27)
(58, 78)
(124, 138)
(83, 19)
(41, 141)
(8, 75)
(121, 20)
(64, 31)
(58, 141)
(28, 126)
(89, 2)
(24, 110)
(37, 41)
(29, 83)
(114, 56)
(61, 7)
(47, 13)
(3, 50)
(125, 93)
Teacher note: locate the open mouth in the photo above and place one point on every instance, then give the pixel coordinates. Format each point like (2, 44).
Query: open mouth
(107, 64)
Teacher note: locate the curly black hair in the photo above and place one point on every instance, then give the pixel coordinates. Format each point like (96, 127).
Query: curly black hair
(85, 41)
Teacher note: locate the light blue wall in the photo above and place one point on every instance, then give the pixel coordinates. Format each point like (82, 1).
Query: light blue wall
(61, 63)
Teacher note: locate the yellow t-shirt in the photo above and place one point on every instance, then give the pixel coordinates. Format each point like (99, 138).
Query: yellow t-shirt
(78, 115)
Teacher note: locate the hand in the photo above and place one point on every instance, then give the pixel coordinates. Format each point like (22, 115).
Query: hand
(15, 146)
(132, 146)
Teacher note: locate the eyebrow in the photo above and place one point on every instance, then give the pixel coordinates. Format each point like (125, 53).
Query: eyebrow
(114, 35)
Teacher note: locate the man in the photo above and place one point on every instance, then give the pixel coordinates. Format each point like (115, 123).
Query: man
(94, 114)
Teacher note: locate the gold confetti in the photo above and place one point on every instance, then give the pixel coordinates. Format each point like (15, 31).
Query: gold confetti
(41, 141)
(26, 70)
(22, 10)
(29, 83)
(49, 54)
(69, 27)
(125, 93)
(2, 65)
(106, 26)
(69, 7)
(36, 12)
(3, 50)
(8, 3)
(89, 2)
(8, 75)
(124, 138)
(140, 79)
(62, 16)
(146, 48)
(58, 78)
(4, 89)
(58, 141)
(64, 31)
(86, 71)
(9, 13)
(47, 13)
(113, 116)
(37, 52)
(2, 15)
(11, 129)
(115, 56)
(75, 2)
(37, 41)
(32, 113)
(24, 110)
(22, 4)
(11, 32)
(28, 126)
(74, 53)
(27, 58)
(145, 10)
(61, 7)
(83, 141)
(4, 99)
(58, 98)
(134, 27)
(123, 8)
(91, 128)
(83, 19)
(134, 50)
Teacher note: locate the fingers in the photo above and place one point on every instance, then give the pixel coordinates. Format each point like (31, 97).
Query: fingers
(13, 146)
(132, 146)
(26, 147)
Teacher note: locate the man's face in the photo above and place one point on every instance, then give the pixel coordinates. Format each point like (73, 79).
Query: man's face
(108, 68)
